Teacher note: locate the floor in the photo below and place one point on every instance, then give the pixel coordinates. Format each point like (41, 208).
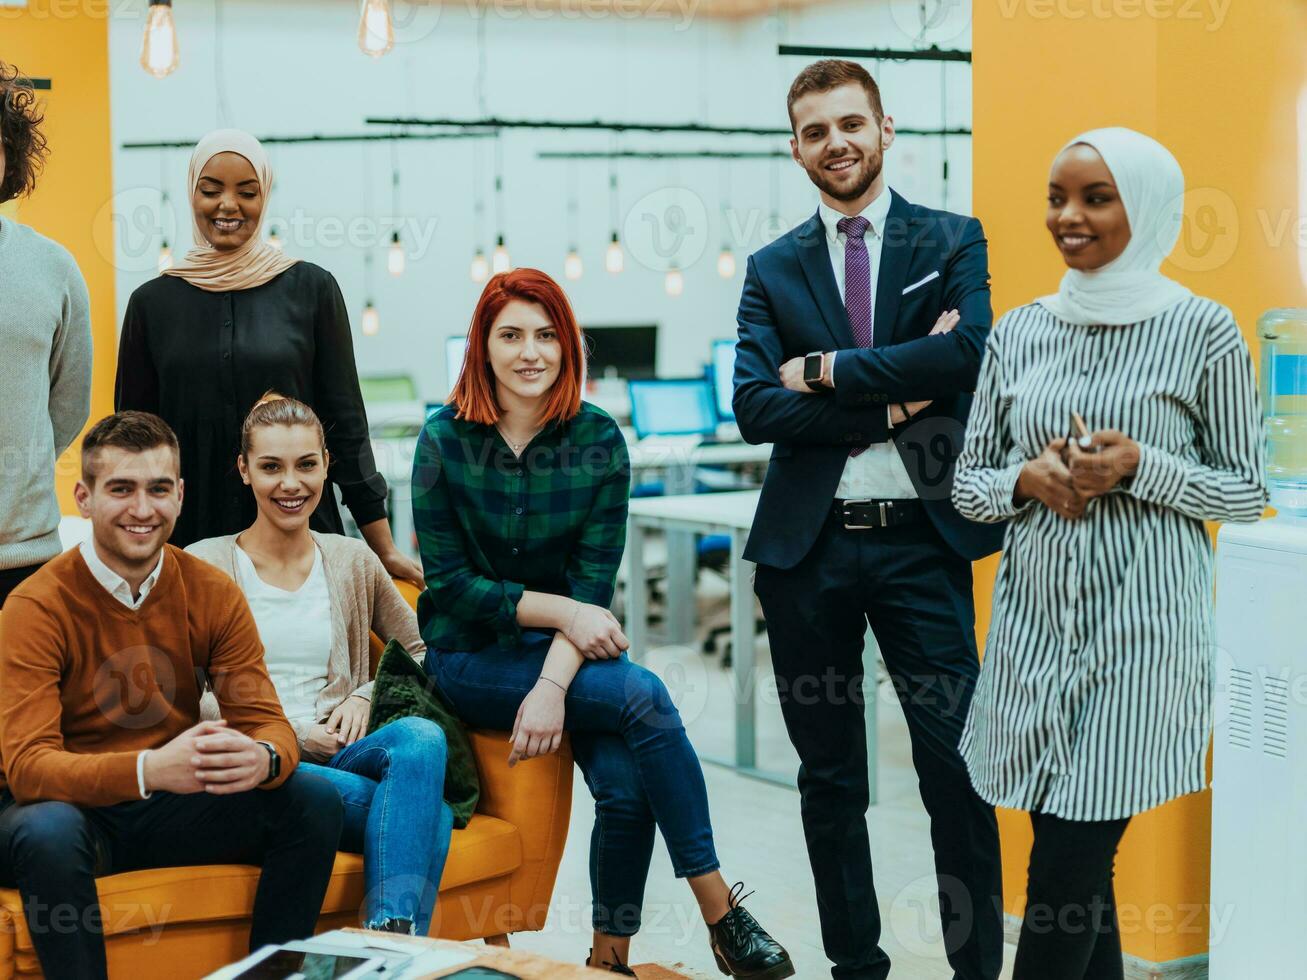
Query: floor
(760, 840)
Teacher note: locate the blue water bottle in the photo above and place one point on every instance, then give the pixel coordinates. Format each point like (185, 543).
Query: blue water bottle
(1283, 337)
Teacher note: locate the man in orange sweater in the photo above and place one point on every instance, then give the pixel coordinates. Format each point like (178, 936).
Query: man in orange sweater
(104, 763)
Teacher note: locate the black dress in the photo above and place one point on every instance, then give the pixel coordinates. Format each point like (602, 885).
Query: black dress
(200, 360)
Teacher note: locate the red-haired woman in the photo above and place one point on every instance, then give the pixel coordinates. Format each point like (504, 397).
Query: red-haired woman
(520, 495)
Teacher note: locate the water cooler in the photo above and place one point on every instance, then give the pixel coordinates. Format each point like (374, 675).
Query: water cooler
(1259, 771)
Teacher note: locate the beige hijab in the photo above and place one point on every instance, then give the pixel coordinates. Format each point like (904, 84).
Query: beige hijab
(255, 262)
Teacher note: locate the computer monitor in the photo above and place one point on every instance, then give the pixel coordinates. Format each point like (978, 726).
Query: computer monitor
(672, 407)
(723, 378)
(625, 352)
(455, 350)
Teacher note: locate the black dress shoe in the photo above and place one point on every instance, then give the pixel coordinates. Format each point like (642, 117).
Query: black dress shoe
(743, 948)
(619, 967)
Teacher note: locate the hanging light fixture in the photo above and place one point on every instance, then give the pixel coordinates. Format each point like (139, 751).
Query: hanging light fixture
(572, 266)
(614, 258)
(274, 239)
(726, 263)
(159, 45)
(673, 281)
(726, 260)
(371, 319)
(500, 262)
(395, 259)
(480, 270)
(165, 257)
(376, 28)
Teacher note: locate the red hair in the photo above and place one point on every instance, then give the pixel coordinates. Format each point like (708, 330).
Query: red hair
(474, 394)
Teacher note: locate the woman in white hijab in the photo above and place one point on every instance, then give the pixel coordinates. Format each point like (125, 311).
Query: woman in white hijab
(236, 318)
(1093, 702)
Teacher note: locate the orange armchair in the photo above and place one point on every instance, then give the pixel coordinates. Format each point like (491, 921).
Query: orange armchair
(189, 921)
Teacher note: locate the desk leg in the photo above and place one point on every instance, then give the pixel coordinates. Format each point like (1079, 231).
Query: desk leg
(743, 667)
(637, 594)
(871, 709)
(682, 566)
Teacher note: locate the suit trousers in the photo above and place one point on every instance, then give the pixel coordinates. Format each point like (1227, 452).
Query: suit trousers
(916, 594)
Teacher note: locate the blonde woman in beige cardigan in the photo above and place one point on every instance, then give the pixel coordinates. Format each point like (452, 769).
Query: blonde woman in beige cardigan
(315, 598)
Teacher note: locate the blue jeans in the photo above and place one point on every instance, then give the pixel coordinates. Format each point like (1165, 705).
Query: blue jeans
(628, 739)
(392, 785)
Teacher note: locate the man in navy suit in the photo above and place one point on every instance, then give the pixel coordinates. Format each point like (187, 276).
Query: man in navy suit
(861, 336)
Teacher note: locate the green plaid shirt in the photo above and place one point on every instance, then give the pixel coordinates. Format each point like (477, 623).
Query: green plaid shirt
(491, 526)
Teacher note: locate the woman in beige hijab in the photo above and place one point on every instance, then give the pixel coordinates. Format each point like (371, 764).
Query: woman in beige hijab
(234, 318)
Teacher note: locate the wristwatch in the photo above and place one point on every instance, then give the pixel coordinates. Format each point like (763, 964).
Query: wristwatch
(274, 762)
(812, 370)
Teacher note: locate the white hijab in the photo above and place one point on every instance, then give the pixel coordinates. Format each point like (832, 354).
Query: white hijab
(253, 263)
(1129, 288)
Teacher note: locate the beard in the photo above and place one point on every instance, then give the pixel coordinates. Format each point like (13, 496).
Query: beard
(870, 169)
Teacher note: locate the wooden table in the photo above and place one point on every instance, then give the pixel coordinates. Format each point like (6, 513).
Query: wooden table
(528, 966)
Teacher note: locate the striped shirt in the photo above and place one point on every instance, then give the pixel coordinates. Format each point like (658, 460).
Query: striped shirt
(491, 525)
(1094, 699)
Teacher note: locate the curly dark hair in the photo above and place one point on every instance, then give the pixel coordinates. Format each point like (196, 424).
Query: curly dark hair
(20, 130)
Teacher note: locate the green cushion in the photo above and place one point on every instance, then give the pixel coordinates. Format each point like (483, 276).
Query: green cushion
(403, 690)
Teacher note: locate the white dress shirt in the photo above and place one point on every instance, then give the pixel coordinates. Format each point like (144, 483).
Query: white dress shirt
(879, 472)
(117, 587)
(114, 583)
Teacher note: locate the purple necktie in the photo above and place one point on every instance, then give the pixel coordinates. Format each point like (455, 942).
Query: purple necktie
(857, 283)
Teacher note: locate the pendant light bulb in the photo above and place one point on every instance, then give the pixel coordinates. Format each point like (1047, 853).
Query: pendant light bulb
(159, 55)
(371, 320)
(500, 261)
(376, 28)
(480, 270)
(726, 263)
(614, 258)
(275, 241)
(674, 282)
(572, 267)
(395, 259)
(165, 257)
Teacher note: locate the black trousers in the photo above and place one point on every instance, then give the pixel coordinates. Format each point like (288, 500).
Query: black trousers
(1070, 929)
(12, 578)
(916, 594)
(52, 852)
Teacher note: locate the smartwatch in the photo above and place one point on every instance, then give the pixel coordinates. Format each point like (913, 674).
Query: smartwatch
(812, 370)
(274, 762)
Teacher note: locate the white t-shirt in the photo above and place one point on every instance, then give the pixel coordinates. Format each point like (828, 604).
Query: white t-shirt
(295, 628)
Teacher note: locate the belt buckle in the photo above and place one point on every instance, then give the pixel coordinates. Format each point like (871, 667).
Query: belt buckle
(860, 527)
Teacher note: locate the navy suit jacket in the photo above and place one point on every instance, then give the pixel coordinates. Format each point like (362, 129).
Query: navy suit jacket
(791, 306)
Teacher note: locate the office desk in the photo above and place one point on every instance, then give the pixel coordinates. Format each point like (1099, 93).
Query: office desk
(679, 461)
(730, 514)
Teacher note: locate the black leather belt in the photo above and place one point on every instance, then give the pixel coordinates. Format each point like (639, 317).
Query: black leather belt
(867, 515)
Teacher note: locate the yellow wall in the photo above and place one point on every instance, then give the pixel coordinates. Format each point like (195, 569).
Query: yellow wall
(1218, 82)
(69, 43)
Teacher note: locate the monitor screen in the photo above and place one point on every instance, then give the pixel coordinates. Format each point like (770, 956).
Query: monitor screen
(623, 352)
(455, 349)
(723, 376)
(672, 407)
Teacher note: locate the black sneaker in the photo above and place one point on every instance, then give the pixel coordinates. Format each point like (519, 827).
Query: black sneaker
(619, 967)
(743, 948)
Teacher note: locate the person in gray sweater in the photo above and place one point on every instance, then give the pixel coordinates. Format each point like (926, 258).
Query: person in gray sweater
(45, 334)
